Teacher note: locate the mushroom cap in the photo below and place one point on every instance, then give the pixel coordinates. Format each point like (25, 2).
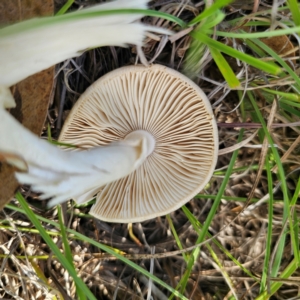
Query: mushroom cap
(170, 107)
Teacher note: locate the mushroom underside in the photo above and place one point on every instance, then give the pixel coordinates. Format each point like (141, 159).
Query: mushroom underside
(173, 110)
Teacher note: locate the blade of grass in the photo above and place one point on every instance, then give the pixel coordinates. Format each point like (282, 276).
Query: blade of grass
(291, 103)
(211, 21)
(289, 109)
(289, 96)
(281, 241)
(146, 12)
(259, 13)
(255, 35)
(296, 194)
(62, 144)
(229, 198)
(68, 252)
(65, 7)
(210, 11)
(38, 22)
(265, 273)
(266, 67)
(256, 49)
(49, 137)
(296, 237)
(24, 229)
(27, 211)
(196, 52)
(176, 237)
(193, 59)
(65, 263)
(275, 286)
(225, 68)
(293, 6)
(278, 59)
(223, 271)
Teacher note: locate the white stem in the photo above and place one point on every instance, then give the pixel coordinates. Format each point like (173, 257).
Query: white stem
(140, 143)
(143, 134)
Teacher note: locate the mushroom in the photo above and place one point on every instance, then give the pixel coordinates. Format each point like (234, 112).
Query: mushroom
(49, 169)
(173, 117)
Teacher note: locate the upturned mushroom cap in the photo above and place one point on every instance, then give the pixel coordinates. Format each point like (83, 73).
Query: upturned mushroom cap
(173, 110)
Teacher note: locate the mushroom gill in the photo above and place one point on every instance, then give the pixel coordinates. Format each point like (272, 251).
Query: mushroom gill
(168, 107)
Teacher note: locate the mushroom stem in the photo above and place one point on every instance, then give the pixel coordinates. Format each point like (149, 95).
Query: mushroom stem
(129, 154)
(143, 134)
(62, 174)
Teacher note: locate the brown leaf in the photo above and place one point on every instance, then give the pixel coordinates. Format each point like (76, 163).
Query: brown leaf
(32, 94)
(281, 45)
(17, 10)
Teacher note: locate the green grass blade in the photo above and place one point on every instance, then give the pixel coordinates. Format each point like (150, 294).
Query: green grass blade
(265, 273)
(229, 198)
(64, 9)
(49, 137)
(225, 274)
(211, 22)
(256, 35)
(266, 67)
(289, 108)
(225, 68)
(275, 286)
(18, 28)
(289, 96)
(296, 194)
(68, 252)
(65, 263)
(67, 249)
(278, 59)
(176, 237)
(210, 11)
(146, 12)
(295, 237)
(290, 103)
(235, 22)
(193, 59)
(255, 48)
(293, 6)
(57, 143)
